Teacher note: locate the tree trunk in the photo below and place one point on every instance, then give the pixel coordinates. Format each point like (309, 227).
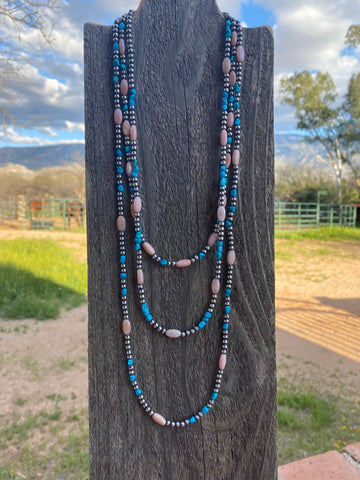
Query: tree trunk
(178, 54)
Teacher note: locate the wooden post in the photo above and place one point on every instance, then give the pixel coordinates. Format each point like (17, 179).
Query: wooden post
(178, 53)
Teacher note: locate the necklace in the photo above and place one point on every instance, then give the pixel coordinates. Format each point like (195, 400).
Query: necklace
(127, 172)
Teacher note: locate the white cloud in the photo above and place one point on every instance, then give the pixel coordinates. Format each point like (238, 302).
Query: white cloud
(49, 131)
(73, 126)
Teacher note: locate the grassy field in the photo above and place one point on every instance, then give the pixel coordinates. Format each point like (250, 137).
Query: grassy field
(39, 277)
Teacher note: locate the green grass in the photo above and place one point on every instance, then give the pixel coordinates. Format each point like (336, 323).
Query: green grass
(37, 278)
(310, 423)
(323, 233)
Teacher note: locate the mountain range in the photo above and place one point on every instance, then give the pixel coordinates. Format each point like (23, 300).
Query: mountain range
(289, 148)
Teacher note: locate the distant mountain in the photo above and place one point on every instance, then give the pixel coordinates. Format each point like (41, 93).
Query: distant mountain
(35, 158)
(289, 148)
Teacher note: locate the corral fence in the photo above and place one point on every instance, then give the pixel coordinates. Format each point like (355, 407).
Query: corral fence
(69, 213)
(42, 213)
(298, 216)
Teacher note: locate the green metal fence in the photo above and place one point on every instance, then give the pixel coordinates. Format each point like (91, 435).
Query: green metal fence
(297, 216)
(42, 213)
(69, 213)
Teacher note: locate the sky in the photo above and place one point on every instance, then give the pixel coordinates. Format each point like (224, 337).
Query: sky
(47, 97)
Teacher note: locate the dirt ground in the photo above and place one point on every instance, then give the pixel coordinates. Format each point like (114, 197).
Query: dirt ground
(318, 334)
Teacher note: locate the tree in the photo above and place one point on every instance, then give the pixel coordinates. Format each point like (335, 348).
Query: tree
(17, 18)
(336, 128)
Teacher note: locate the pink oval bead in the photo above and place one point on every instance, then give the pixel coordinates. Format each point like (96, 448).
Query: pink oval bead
(137, 204)
(140, 276)
(230, 119)
(221, 213)
(223, 137)
(185, 262)
(240, 53)
(121, 223)
(128, 169)
(231, 257)
(232, 78)
(148, 248)
(227, 160)
(133, 132)
(122, 46)
(212, 239)
(173, 333)
(124, 87)
(236, 157)
(159, 419)
(222, 361)
(215, 285)
(226, 65)
(118, 116)
(126, 127)
(126, 327)
(233, 37)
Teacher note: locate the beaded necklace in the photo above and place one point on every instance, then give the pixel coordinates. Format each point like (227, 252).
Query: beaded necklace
(127, 171)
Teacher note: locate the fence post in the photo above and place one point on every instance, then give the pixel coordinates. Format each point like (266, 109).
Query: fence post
(21, 210)
(177, 106)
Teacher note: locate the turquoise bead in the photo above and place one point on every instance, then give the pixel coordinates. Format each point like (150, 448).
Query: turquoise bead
(232, 208)
(229, 140)
(132, 189)
(228, 223)
(122, 66)
(133, 377)
(132, 103)
(123, 291)
(201, 324)
(125, 108)
(123, 276)
(122, 259)
(236, 105)
(149, 317)
(137, 392)
(214, 396)
(227, 292)
(116, 62)
(120, 170)
(120, 188)
(233, 192)
(137, 247)
(130, 361)
(205, 410)
(228, 22)
(128, 149)
(237, 88)
(122, 26)
(192, 420)
(226, 326)
(237, 121)
(115, 46)
(201, 255)
(115, 79)
(163, 261)
(119, 152)
(227, 309)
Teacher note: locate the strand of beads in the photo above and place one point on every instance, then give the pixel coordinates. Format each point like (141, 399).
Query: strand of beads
(124, 83)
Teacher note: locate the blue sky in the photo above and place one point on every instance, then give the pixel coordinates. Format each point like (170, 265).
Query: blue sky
(49, 89)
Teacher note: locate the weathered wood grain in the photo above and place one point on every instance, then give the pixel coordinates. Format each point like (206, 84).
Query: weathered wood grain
(178, 54)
